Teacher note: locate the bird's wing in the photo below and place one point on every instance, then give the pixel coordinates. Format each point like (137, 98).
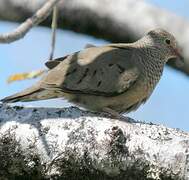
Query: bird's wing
(89, 46)
(53, 63)
(103, 71)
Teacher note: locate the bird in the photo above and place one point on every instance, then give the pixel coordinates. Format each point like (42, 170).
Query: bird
(114, 78)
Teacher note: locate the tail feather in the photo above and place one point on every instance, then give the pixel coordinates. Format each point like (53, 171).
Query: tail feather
(30, 94)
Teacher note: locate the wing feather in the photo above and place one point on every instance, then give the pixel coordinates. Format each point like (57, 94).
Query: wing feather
(102, 71)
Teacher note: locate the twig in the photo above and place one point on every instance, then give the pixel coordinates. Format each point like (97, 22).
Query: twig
(37, 18)
(54, 27)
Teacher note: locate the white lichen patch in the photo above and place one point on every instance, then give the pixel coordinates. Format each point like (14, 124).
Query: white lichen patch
(57, 141)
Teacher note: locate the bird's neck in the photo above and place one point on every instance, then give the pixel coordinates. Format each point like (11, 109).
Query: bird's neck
(154, 52)
(152, 61)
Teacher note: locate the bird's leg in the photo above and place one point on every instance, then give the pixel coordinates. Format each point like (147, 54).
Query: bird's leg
(113, 114)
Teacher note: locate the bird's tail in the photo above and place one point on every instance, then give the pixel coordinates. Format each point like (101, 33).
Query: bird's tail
(33, 93)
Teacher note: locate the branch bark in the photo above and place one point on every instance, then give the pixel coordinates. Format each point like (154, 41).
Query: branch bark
(46, 143)
(117, 21)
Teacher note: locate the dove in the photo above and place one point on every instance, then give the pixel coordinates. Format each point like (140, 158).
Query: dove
(114, 78)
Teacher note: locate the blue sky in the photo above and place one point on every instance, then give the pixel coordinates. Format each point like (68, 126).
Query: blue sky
(178, 6)
(168, 104)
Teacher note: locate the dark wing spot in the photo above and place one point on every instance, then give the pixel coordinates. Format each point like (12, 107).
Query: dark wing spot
(110, 65)
(79, 81)
(72, 71)
(121, 69)
(99, 83)
(84, 75)
(94, 72)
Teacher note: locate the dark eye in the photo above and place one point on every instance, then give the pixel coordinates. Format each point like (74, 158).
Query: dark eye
(168, 41)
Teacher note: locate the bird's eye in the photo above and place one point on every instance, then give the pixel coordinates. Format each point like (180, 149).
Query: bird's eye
(168, 41)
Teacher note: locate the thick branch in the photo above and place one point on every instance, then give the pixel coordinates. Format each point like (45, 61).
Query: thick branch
(117, 21)
(43, 143)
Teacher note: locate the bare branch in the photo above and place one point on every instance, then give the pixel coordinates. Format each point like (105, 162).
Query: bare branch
(37, 18)
(54, 27)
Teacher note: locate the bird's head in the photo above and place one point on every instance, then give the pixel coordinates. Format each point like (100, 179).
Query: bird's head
(164, 42)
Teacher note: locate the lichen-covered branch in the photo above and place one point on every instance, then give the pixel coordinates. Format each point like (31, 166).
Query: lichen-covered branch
(117, 21)
(70, 143)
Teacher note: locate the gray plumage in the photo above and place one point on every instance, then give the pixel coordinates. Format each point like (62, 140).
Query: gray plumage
(116, 76)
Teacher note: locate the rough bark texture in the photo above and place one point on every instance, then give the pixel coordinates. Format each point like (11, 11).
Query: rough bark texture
(117, 21)
(47, 143)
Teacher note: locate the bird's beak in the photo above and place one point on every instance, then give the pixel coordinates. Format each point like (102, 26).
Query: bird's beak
(178, 54)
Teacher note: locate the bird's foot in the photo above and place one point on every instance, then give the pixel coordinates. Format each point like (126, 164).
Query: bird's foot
(110, 113)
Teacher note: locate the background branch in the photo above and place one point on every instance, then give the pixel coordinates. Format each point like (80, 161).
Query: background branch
(116, 21)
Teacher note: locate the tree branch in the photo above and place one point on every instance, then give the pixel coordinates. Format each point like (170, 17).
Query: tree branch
(44, 143)
(37, 18)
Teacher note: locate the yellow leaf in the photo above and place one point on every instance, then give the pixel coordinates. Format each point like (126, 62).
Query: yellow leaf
(24, 76)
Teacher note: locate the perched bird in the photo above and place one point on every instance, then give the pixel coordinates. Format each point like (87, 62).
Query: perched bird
(114, 78)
